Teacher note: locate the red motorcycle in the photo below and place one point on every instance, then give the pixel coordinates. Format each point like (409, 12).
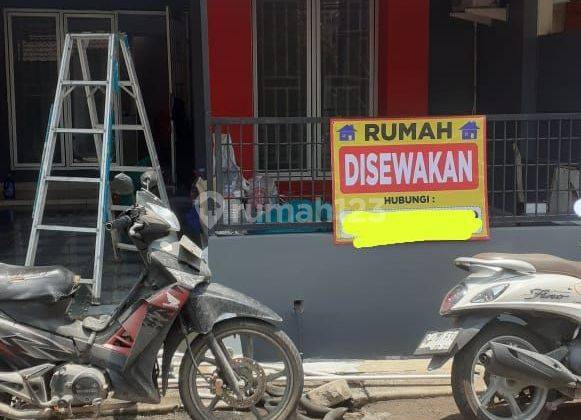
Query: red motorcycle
(237, 362)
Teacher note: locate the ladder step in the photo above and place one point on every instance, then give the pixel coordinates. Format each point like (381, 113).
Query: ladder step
(125, 127)
(128, 127)
(126, 247)
(88, 35)
(84, 82)
(80, 130)
(59, 228)
(131, 168)
(73, 179)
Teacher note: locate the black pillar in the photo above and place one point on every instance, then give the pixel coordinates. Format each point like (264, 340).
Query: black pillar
(526, 18)
(200, 84)
(508, 62)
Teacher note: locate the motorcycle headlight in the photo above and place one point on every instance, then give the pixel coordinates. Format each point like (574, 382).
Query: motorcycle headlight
(490, 294)
(452, 298)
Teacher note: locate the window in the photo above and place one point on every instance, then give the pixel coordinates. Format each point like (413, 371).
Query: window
(35, 40)
(32, 69)
(313, 58)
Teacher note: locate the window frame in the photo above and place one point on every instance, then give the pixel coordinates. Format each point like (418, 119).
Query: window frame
(315, 171)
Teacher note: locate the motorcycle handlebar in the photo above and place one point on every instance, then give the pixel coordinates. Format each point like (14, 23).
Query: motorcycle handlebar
(120, 223)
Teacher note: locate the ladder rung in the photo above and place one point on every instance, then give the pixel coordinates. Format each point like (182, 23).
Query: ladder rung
(126, 127)
(87, 281)
(125, 83)
(84, 83)
(131, 168)
(67, 228)
(73, 179)
(126, 247)
(80, 130)
(90, 35)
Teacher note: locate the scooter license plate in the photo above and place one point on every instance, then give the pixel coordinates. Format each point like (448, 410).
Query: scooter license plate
(437, 342)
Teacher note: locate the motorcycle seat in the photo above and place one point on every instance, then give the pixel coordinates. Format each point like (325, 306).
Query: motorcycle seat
(43, 284)
(543, 263)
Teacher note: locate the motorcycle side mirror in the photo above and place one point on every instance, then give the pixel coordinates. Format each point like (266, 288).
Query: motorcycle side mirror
(148, 180)
(577, 207)
(122, 184)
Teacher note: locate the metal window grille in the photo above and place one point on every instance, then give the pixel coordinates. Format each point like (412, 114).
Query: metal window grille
(313, 58)
(534, 164)
(534, 169)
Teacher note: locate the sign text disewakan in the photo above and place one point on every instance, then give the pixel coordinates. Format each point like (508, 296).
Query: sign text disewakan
(431, 169)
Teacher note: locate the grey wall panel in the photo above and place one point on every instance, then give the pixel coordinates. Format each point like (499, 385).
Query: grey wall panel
(363, 303)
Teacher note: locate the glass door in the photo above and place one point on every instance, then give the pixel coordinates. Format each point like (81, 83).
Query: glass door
(81, 147)
(32, 74)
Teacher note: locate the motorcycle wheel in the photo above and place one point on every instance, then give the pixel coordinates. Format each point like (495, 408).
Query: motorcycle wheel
(480, 395)
(266, 362)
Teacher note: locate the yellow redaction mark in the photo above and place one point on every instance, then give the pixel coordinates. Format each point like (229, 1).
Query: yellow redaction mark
(387, 228)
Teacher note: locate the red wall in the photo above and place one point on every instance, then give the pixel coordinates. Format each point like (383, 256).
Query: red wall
(403, 52)
(573, 17)
(230, 40)
(403, 57)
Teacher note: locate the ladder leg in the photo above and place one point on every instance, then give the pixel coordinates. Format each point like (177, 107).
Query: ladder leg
(143, 117)
(92, 107)
(48, 153)
(105, 163)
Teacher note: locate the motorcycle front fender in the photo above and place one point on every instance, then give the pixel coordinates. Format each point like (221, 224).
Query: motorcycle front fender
(208, 305)
(468, 327)
(213, 303)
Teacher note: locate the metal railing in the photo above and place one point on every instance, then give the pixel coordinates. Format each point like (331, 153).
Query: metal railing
(534, 164)
(274, 174)
(269, 169)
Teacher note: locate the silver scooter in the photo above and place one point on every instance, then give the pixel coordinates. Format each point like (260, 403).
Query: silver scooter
(516, 339)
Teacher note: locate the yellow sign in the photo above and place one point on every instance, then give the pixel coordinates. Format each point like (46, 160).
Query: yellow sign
(407, 180)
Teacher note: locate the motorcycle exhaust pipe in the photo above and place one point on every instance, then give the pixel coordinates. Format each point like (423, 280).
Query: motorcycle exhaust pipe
(534, 369)
(14, 413)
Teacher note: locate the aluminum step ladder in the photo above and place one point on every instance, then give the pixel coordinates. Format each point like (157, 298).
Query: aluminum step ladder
(103, 138)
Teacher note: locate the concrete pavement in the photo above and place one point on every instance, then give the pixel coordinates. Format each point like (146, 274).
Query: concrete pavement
(364, 392)
(440, 408)
(400, 399)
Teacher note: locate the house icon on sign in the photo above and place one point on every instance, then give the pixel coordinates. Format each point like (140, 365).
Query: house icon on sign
(347, 133)
(469, 131)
